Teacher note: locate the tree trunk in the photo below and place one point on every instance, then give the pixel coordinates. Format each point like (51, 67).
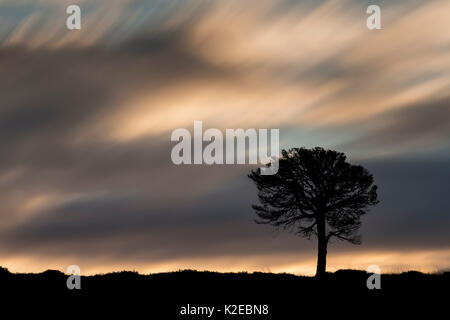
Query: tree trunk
(322, 247)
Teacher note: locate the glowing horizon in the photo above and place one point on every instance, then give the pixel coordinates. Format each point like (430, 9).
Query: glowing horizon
(426, 261)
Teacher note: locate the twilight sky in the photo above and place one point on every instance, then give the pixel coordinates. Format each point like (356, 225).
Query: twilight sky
(86, 117)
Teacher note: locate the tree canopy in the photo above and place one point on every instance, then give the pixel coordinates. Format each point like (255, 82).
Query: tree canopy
(315, 192)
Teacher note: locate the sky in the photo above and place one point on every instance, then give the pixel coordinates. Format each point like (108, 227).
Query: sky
(86, 118)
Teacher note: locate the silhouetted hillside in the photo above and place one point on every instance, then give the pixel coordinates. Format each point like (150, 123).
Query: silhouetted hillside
(340, 293)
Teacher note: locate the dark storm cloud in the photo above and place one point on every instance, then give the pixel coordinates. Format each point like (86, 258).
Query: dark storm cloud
(53, 93)
(413, 213)
(221, 222)
(50, 97)
(414, 207)
(418, 127)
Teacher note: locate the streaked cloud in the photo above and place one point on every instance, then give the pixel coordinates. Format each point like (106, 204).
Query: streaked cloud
(86, 119)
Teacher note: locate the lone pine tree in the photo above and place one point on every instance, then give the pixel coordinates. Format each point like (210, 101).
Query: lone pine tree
(316, 192)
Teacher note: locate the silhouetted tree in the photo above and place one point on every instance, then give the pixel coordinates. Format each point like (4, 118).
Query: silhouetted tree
(315, 192)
